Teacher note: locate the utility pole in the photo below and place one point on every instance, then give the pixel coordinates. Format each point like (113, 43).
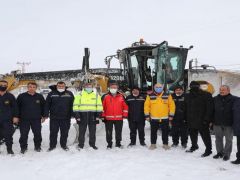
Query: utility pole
(23, 66)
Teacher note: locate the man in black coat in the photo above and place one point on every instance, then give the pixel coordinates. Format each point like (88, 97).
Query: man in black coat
(8, 115)
(223, 122)
(31, 112)
(236, 127)
(179, 125)
(136, 118)
(59, 103)
(199, 108)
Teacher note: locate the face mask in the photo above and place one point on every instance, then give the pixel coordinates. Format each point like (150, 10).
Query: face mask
(158, 89)
(60, 90)
(135, 95)
(3, 88)
(89, 90)
(179, 94)
(113, 91)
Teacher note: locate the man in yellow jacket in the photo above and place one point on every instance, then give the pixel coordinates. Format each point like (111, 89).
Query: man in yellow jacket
(87, 108)
(159, 109)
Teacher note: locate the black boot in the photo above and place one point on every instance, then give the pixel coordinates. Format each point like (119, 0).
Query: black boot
(109, 146)
(94, 147)
(118, 145)
(192, 149)
(23, 150)
(38, 149)
(79, 147)
(218, 155)
(131, 144)
(207, 153)
(65, 148)
(237, 161)
(226, 158)
(10, 151)
(51, 149)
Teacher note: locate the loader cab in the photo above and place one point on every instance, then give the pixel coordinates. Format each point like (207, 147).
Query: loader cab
(146, 64)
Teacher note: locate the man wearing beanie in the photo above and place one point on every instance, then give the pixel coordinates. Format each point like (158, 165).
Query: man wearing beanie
(199, 108)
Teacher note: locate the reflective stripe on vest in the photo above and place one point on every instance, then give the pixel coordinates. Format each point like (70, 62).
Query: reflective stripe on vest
(85, 102)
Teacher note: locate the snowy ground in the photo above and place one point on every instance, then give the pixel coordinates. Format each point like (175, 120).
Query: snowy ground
(128, 163)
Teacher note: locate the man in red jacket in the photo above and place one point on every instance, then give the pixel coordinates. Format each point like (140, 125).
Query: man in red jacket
(114, 110)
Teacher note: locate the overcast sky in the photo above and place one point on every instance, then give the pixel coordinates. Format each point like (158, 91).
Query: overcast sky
(52, 33)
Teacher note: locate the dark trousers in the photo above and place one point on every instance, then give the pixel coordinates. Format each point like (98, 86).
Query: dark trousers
(205, 135)
(6, 127)
(118, 124)
(155, 125)
(179, 131)
(55, 125)
(135, 127)
(83, 124)
(25, 126)
(238, 147)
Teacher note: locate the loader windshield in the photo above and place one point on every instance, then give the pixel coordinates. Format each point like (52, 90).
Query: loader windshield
(147, 65)
(171, 66)
(142, 71)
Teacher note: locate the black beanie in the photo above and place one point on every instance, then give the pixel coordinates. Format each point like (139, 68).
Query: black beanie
(194, 84)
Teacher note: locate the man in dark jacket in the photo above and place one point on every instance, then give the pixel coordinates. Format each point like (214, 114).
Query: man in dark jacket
(136, 119)
(199, 107)
(59, 103)
(8, 115)
(31, 111)
(236, 127)
(223, 121)
(179, 125)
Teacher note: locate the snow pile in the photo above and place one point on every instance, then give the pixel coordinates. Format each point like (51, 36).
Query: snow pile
(128, 163)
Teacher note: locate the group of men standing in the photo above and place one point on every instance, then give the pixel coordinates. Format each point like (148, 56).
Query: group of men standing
(179, 114)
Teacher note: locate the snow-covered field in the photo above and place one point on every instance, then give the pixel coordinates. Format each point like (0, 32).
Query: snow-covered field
(129, 163)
